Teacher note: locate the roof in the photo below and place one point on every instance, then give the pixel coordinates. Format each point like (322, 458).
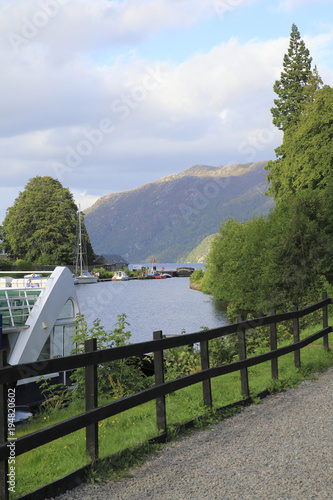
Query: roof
(112, 258)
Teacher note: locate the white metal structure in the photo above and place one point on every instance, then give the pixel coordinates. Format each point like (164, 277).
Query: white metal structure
(38, 317)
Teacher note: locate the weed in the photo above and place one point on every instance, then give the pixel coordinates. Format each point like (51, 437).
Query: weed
(56, 395)
(116, 378)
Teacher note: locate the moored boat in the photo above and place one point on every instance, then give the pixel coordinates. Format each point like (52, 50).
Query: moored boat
(120, 276)
(38, 323)
(84, 278)
(81, 276)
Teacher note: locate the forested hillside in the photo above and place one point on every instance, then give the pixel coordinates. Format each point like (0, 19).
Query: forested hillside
(168, 218)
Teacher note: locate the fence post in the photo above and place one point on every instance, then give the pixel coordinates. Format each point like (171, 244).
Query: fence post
(206, 384)
(325, 323)
(273, 345)
(4, 494)
(297, 354)
(91, 402)
(242, 357)
(159, 379)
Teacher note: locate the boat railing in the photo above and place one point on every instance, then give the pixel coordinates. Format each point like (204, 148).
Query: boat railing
(16, 305)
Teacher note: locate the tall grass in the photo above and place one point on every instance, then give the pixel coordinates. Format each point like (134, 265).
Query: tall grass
(128, 430)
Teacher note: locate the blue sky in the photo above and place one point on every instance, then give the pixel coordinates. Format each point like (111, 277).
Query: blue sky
(108, 95)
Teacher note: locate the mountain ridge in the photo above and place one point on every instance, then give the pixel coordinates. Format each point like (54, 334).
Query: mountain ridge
(232, 170)
(166, 219)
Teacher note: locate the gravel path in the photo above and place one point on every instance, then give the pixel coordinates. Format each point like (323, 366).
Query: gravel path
(281, 448)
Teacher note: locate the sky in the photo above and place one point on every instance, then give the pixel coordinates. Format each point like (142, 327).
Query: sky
(106, 95)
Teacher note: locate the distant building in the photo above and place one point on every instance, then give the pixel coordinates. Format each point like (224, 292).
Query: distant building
(110, 262)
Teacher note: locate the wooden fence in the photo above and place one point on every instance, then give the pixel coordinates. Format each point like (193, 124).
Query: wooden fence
(92, 358)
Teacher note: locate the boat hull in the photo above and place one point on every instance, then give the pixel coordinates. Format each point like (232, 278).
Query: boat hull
(84, 280)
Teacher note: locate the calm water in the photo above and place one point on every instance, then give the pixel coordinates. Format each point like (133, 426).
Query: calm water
(168, 305)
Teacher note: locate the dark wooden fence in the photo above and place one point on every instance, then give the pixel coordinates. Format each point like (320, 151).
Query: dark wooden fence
(92, 358)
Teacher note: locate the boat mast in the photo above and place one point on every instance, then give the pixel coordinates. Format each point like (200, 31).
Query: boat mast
(75, 266)
(80, 241)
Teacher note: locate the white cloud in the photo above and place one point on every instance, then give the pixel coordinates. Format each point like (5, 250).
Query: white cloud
(66, 28)
(84, 199)
(110, 127)
(290, 5)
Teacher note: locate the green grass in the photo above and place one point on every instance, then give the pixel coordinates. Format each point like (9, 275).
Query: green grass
(130, 430)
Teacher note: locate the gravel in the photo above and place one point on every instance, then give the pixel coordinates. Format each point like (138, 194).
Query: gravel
(281, 448)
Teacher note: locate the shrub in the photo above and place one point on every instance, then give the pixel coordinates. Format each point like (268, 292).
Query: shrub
(197, 275)
(115, 378)
(102, 273)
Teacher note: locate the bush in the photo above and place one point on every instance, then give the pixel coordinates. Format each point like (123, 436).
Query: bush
(102, 273)
(24, 265)
(5, 265)
(197, 275)
(116, 378)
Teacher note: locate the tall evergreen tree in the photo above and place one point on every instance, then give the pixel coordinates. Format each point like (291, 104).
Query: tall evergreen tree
(314, 83)
(293, 89)
(307, 162)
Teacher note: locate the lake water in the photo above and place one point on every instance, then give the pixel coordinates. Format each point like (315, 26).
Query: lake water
(168, 305)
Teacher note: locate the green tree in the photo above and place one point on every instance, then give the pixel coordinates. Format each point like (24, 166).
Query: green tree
(238, 268)
(308, 150)
(41, 225)
(277, 261)
(314, 83)
(293, 89)
(300, 247)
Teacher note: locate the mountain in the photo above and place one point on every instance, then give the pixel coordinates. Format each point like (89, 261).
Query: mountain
(168, 218)
(199, 254)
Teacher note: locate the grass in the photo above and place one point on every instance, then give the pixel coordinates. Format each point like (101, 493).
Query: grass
(128, 433)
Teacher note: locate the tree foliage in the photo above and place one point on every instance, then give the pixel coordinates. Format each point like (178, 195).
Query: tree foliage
(296, 85)
(276, 261)
(307, 162)
(285, 258)
(41, 225)
(237, 269)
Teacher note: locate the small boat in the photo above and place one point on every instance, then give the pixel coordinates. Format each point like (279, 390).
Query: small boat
(120, 276)
(81, 276)
(84, 278)
(38, 323)
(155, 275)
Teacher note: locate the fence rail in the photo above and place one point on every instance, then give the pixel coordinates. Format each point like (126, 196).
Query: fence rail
(92, 358)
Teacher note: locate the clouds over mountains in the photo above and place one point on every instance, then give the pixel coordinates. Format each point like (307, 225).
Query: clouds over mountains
(102, 93)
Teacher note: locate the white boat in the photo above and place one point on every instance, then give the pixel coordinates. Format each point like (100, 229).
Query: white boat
(81, 276)
(84, 278)
(120, 276)
(38, 323)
